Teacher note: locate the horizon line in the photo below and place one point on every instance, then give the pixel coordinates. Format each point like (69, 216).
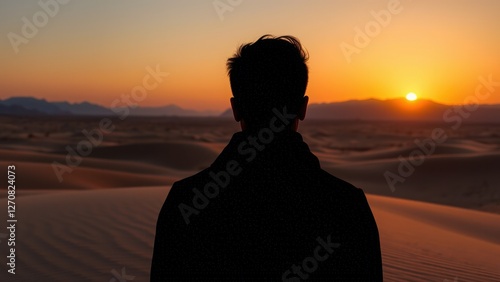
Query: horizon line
(228, 107)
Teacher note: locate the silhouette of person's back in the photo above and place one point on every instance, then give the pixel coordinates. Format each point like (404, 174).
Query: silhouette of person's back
(265, 210)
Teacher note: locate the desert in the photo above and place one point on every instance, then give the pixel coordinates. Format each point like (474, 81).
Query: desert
(98, 223)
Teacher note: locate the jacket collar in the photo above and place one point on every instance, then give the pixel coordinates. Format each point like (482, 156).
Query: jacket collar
(285, 148)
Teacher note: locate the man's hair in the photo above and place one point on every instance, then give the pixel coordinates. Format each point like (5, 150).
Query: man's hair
(268, 73)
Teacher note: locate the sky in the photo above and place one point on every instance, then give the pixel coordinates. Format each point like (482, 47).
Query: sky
(97, 51)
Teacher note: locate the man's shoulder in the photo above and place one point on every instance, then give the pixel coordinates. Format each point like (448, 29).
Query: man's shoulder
(193, 179)
(338, 185)
(324, 180)
(183, 186)
(180, 196)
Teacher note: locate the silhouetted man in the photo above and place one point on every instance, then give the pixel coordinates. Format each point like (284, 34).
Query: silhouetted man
(265, 210)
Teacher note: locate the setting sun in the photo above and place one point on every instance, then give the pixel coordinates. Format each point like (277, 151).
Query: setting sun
(411, 96)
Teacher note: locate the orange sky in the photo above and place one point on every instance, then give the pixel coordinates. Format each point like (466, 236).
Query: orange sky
(97, 50)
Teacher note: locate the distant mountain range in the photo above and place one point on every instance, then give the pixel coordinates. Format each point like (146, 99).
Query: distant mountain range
(399, 110)
(403, 110)
(34, 106)
(370, 109)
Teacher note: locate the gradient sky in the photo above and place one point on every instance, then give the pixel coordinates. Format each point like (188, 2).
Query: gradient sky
(96, 50)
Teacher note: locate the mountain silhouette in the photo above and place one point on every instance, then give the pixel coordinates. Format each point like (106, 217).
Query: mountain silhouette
(15, 110)
(401, 110)
(84, 108)
(169, 110)
(395, 110)
(34, 106)
(367, 110)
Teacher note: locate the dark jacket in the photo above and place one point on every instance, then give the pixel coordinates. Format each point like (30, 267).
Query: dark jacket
(266, 212)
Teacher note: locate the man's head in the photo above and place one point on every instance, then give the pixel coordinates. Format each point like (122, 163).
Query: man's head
(270, 73)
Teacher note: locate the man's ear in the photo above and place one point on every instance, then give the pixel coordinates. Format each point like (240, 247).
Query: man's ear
(236, 110)
(303, 108)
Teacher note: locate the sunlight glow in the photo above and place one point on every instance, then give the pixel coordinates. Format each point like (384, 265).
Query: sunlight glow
(411, 96)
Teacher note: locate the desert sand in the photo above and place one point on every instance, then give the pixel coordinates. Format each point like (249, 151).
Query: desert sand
(440, 224)
(85, 235)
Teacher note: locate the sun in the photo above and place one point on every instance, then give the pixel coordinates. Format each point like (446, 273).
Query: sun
(411, 96)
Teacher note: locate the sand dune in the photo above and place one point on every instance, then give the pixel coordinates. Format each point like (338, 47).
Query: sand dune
(115, 230)
(475, 224)
(461, 147)
(112, 166)
(45, 158)
(470, 181)
(461, 172)
(42, 176)
(75, 230)
(183, 156)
